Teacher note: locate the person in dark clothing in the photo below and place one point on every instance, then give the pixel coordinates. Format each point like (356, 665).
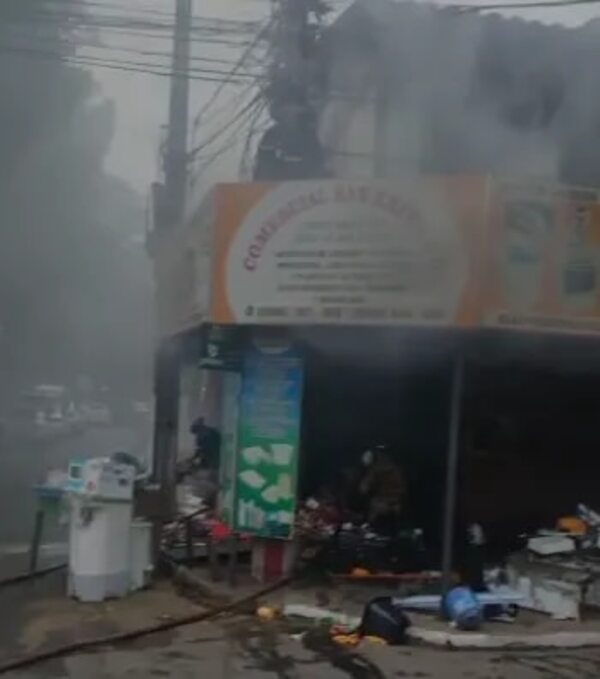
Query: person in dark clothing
(376, 488)
(207, 444)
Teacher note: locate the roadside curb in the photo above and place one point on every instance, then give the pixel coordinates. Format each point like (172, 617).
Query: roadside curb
(481, 641)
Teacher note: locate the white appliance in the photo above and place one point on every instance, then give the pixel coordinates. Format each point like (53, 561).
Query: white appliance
(140, 560)
(101, 477)
(101, 501)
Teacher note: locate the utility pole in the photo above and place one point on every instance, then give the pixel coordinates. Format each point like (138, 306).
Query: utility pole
(169, 213)
(292, 38)
(176, 147)
(290, 148)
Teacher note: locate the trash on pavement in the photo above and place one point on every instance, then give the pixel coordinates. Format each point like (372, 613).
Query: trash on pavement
(385, 620)
(498, 596)
(347, 639)
(572, 525)
(267, 613)
(463, 608)
(545, 545)
(320, 615)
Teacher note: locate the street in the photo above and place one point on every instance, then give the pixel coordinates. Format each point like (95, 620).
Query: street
(230, 647)
(242, 648)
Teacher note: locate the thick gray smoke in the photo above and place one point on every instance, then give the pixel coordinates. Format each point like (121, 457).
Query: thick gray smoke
(465, 93)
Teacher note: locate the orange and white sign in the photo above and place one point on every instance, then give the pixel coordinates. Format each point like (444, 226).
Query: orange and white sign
(543, 259)
(349, 252)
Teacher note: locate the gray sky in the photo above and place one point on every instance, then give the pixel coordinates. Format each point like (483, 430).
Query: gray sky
(141, 99)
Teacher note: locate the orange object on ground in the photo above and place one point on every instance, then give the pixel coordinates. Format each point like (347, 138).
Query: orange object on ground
(267, 613)
(360, 573)
(572, 524)
(347, 639)
(425, 576)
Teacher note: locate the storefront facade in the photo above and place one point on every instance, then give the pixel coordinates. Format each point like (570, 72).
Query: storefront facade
(265, 265)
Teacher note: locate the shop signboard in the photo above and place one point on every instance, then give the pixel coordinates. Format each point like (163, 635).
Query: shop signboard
(444, 251)
(543, 259)
(269, 437)
(335, 252)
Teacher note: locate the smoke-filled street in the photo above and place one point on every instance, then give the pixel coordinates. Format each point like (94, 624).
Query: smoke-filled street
(24, 462)
(328, 270)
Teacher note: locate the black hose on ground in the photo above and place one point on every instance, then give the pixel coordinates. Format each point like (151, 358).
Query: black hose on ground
(25, 577)
(122, 637)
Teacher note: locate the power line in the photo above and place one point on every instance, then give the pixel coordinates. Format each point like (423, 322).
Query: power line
(136, 33)
(212, 138)
(112, 6)
(260, 34)
(80, 19)
(227, 42)
(151, 53)
(252, 132)
(230, 142)
(95, 45)
(232, 103)
(546, 4)
(127, 66)
(147, 11)
(123, 30)
(139, 64)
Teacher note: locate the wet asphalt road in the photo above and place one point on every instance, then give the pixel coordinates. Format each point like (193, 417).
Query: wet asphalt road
(237, 647)
(232, 649)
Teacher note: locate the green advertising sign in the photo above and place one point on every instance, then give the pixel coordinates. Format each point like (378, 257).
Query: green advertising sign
(229, 444)
(268, 442)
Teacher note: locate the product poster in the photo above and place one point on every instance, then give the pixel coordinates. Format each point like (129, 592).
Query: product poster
(269, 437)
(544, 259)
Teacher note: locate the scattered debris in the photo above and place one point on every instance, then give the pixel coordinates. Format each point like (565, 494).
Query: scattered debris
(347, 639)
(572, 525)
(552, 587)
(498, 596)
(321, 615)
(545, 545)
(267, 613)
(385, 620)
(463, 608)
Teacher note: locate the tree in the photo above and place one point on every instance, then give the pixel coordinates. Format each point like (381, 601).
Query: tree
(74, 285)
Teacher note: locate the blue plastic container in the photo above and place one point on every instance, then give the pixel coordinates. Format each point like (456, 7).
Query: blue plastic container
(463, 608)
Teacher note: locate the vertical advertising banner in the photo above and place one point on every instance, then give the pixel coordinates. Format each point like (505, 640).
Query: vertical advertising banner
(232, 383)
(544, 259)
(269, 439)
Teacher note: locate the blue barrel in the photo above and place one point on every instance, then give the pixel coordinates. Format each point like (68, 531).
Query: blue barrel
(463, 608)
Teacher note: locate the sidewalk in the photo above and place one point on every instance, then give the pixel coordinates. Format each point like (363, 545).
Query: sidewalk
(241, 645)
